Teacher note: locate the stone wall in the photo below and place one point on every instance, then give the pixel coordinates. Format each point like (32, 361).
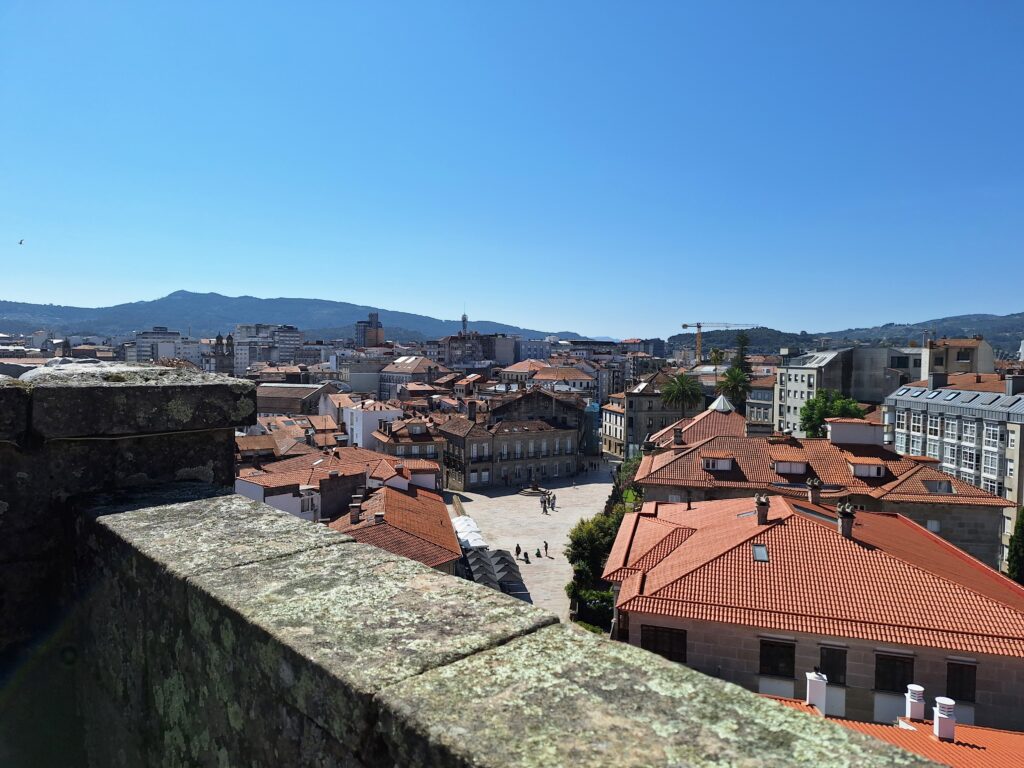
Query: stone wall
(182, 625)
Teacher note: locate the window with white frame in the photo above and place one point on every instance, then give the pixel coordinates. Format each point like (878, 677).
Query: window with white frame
(933, 449)
(901, 443)
(950, 456)
(1011, 440)
(901, 419)
(969, 459)
(915, 445)
(970, 433)
(966, 476)
(951, 430)
(1009, 467)
(934, 426)
(992, 486)
(990, 463)
(991, 439)
(916, 421)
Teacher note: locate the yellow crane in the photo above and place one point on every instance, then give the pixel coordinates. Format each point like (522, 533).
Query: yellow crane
(701, 326)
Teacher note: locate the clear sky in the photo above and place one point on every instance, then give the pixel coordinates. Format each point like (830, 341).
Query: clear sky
(609, 168)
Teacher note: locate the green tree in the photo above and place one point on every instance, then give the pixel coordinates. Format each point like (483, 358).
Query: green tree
(1015, 556)
(742, 346)
(735, 385)
(827, 404)
(716, 356)
(682, 392)
(590, 543)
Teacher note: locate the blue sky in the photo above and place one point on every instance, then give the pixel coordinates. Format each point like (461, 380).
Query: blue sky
(609, 168)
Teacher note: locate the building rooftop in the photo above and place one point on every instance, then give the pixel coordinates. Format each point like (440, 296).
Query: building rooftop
(892, 582)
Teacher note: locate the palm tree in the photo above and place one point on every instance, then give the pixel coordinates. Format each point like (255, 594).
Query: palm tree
(682, 392)
(716, 356)
(735, 385)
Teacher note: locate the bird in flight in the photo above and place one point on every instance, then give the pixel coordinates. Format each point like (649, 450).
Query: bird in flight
(21, 242)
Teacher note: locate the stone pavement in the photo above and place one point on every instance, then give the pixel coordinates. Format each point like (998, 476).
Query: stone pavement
(506, 519)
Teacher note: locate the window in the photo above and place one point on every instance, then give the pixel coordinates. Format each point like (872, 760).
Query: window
(760, 553)
(990, 463)
(664, 641)
(916, 420)
(951, 430)
(893, 673)
(833, 665)
(992, 486)
(900, 361)
(778, 659)
(933, 449)
(1009, 467)
(934, 426)
(915, 445)
(970, 432)
(963, 356)
(969, 459)
(992, 436)
(1011, 440)
(932, 395)
(961, 681)
(901, 443)
(950, 454)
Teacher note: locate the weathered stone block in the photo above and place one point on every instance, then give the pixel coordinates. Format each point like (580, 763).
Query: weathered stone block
(73, 401)
(14, 407)
(563, 697)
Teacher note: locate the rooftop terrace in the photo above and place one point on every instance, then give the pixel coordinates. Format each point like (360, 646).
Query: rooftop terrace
(151, 617)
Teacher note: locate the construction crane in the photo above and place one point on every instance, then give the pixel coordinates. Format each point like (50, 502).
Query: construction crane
(701, 326)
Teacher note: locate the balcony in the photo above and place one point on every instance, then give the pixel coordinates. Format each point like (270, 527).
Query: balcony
(167, 621)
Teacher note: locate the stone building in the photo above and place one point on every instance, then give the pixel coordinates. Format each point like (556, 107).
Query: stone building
(646, 411)
(851, 464)
(760, 593)
(405, 369)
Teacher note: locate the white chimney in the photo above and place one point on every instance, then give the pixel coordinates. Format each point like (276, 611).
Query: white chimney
(915, 702)
(761, 505)
(945, 719)
(817, 690)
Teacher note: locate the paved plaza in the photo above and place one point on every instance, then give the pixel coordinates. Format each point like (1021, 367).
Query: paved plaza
(507, 518)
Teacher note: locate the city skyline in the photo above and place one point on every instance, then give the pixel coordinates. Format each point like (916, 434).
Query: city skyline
(557, 161)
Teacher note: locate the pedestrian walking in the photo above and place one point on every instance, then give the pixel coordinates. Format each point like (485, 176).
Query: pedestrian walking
(519, 550)
(545, 549)
(552, 501)
(526, 557)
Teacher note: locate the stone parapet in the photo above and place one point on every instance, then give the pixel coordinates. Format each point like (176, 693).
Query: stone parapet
(219, 631)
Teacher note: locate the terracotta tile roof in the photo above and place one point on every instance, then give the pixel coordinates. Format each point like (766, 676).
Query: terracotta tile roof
(973, 747)
(844, 420)
(460, 426)
(416, 525)
(754, 467)
(561, 373)
(521, 427)
(708, 423)
(613, 407)
(966, 343)
(909, 586)
(969, 382)
(763, 382)
(256, 443)
(708, 454)
(312, 467)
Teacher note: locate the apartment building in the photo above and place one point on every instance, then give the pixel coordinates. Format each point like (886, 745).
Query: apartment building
(646, 412)
(760, 407)
(369, 332)
(969, 424)
(761, 591)
(405, 369)
(613, 427)
(850, 465)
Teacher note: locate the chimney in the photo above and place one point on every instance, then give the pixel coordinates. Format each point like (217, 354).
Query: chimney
(761, 504)
(844, 522)
(1015, 384)
(677, 436)
(937, 380)
(333, 473)
(378, 518)
(355, 512)
(817, 688)
(915, 702)
(944, 717)
(814, 490)
(471, 410)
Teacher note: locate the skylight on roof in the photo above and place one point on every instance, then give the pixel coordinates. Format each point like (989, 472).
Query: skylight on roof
(903, 391)
(951, 396)
(970, 397)
(932, 395)
(745, 514)
(918, 393)
(760, 553)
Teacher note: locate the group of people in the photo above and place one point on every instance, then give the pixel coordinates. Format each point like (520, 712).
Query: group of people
(547, 503)
(526, 555)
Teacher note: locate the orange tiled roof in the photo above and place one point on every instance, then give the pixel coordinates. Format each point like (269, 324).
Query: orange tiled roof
(709, 423)
(907, 586)
(970, 382)
(553, 373)
(754, 468)
(973, 747)
(416, 525)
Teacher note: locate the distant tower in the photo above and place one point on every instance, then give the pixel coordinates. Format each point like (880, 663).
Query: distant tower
(1020, 355)
(465, 323)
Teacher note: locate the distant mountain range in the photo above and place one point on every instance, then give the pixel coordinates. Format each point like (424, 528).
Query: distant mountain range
(1003, 332)
(206, 314)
